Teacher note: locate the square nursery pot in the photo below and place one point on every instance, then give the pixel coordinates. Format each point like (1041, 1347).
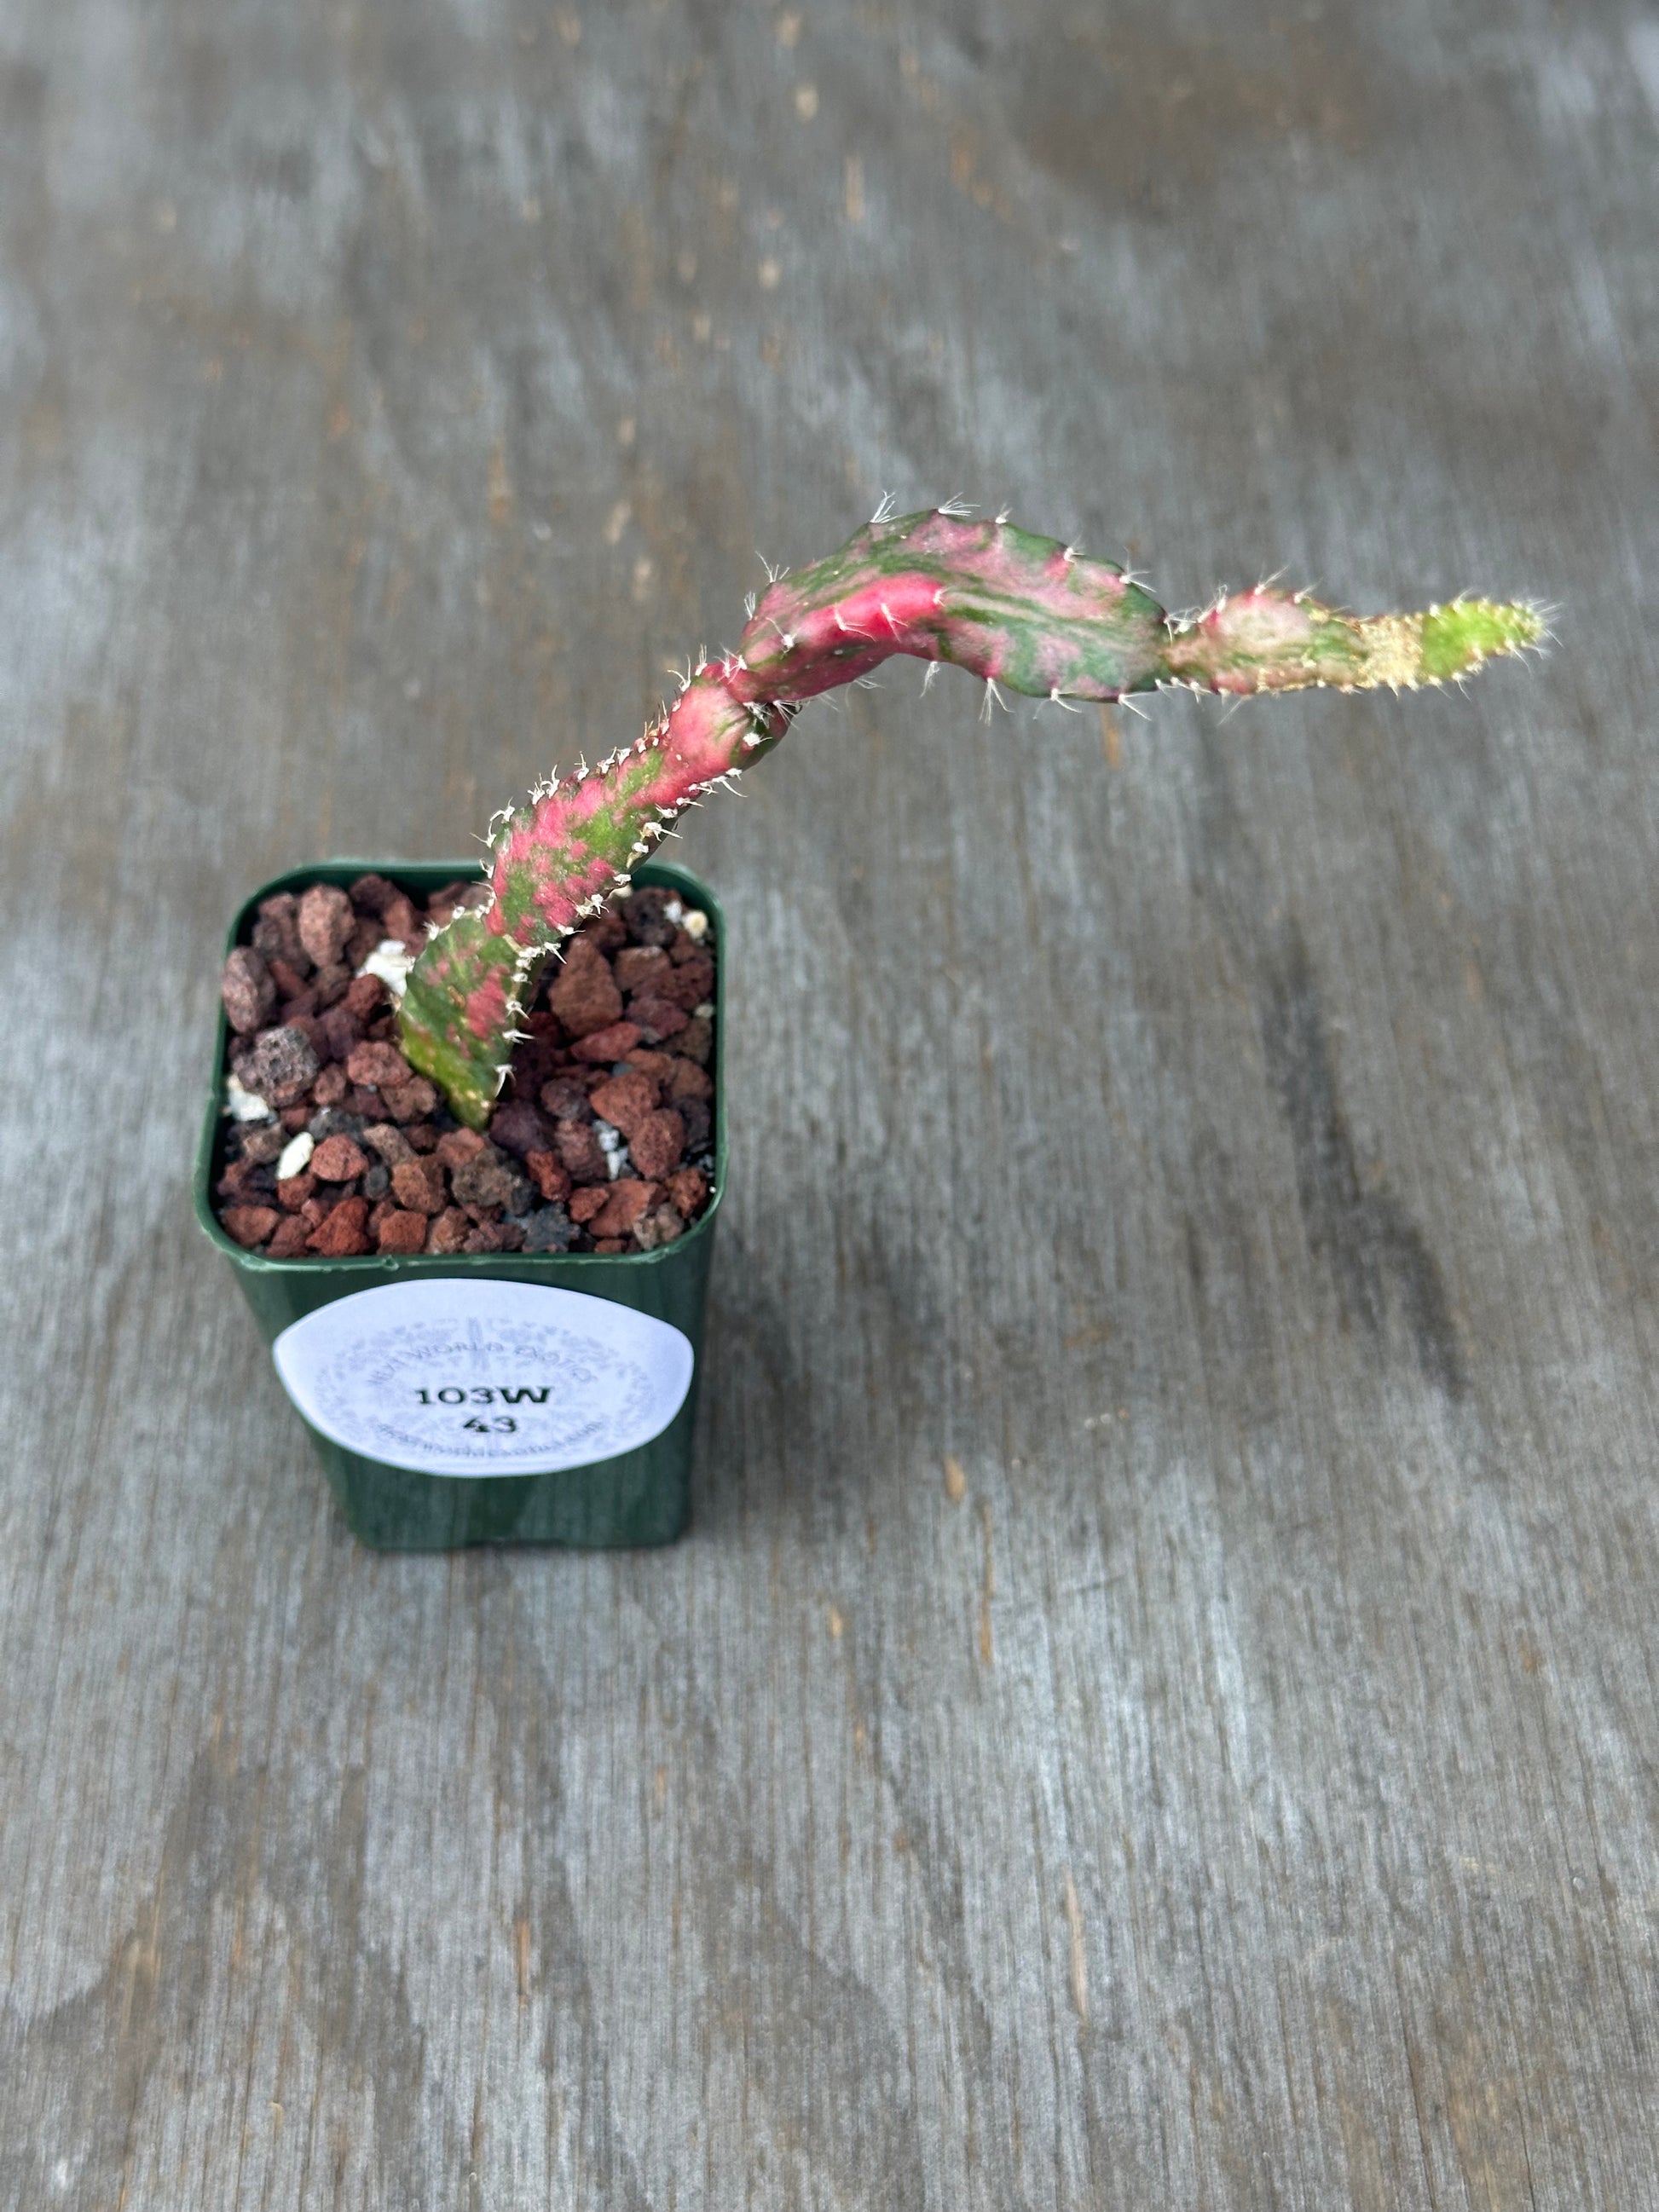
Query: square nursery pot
(490, 1398)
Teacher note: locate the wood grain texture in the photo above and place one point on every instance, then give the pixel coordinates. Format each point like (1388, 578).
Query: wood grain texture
(1158, 1704)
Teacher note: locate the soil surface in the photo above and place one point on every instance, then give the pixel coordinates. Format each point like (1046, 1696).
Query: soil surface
(334, 1146)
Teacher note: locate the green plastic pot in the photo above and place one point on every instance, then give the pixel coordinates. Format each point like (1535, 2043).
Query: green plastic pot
(640, 1497)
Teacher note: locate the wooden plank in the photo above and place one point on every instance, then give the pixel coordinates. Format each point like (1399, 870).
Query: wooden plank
(1231, 1149)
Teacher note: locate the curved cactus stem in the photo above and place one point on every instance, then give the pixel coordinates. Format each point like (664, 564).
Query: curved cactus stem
(1037, 616)
(1017, 611)
(554, 863)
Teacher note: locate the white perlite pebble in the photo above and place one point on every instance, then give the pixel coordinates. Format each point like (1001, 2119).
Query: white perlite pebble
(673, 912)
(244, 1105)
(295, 1156)
(612, 1145)
(391, 963)
(696, 922)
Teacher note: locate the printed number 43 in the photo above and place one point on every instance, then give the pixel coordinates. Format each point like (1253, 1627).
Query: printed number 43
(503, 1424)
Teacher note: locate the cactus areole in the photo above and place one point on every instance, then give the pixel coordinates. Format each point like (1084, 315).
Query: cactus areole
(1024, 612)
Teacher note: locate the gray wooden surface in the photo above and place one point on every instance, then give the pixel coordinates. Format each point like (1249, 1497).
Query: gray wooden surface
(1159, 1706)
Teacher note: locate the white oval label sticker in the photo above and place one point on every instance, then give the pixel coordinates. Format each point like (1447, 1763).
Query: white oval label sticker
(459, 1377)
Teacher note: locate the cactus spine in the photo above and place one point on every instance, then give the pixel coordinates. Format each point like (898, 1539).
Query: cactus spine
(1014, 609)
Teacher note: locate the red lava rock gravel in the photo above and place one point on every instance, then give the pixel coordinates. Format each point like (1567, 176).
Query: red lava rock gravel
(656, 1019)
(401, 1233)
(688, 1188)
(601, 1141)
(378, 1065)
(603, 1047)
(585, 996)
(251, 1225)
(277, 932)
(657, 1143)
(449, 1232)
(626, 1101)
(457, 1146)
(248, 990)
(325, 920)
(624, 1202)
(337, 1159)
(414, 1100)
(549, 1178)
(280, 1065)
(518, 1127)
(580, 1152)
(419, 1185)
(340, 1235)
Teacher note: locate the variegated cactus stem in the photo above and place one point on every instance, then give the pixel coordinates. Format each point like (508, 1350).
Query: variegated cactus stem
(1017, 611)
(555, 864)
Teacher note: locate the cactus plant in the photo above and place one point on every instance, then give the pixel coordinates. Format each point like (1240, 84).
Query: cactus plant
(1015, 609)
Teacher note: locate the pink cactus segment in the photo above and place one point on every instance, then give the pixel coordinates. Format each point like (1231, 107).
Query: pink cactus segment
(1252, 641)
(701, 738)
(892, 603)
(1008, 606)
(572, 844)
(532, 842)
(560, 904)
(485, 1005)
(837, 643)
